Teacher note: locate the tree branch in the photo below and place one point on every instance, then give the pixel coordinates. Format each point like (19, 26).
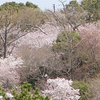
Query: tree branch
(40, 29)
(26, 34)
(2, 38)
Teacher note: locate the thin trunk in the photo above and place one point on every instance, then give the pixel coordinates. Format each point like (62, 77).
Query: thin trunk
(5, 36)
(5, 44)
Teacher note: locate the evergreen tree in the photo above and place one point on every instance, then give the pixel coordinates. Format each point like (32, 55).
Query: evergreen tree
(93, 9)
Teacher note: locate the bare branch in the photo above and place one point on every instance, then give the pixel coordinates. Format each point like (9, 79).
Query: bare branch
(2, 38)
(12, 49)
(17, 38)
(26, 34)
(57, 19)
(40, 29)
(64, 7)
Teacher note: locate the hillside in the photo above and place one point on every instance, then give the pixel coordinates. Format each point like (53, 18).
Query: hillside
(49, 49)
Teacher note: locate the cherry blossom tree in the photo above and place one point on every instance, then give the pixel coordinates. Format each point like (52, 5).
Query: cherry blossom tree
(8, 70)
(60, 89)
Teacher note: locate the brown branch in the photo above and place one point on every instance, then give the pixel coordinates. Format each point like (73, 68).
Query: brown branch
(12, 49)
(49, 20)
(2, 38)
(17, 38)
(40, 29)
(57, 19)
(64, 7)
(25, 34)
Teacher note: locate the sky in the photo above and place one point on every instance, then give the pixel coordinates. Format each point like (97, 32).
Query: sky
(43, 4)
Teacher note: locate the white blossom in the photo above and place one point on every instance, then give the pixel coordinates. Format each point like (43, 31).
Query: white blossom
(1, 97)
(60, 89)
(8, 69)
(11, 62)
(9, 95)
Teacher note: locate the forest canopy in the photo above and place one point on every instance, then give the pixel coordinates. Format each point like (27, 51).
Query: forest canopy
(17, 6)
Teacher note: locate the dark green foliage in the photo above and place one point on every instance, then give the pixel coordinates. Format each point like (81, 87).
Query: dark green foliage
(63, 40)
(26, 86)
(57, 47)
(93, 9)
(73, 5)
(9, 5)
(37, 96)
(66, 35)
(77, 37)
(31, 5)
(21, 5)
(61, 37)
(84, 89)
(2, 93)
(26, 93)
(17, 6)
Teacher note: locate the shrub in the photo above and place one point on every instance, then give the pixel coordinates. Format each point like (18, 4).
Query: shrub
(2, 93)
(66, 47)
(26, 93)
(68, 35)
(65, 40)
(84, 89)
(37, 96)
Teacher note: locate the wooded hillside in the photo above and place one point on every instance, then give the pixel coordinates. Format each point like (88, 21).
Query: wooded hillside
(49, 46)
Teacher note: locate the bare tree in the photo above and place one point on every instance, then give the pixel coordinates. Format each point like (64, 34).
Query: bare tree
(72, 15)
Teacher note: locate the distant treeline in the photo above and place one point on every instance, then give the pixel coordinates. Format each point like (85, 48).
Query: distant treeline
(17, 6)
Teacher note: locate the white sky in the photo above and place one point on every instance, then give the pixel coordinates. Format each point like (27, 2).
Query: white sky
(43, 4)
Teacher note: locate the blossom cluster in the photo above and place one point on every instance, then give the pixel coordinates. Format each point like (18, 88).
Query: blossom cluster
(8, 69)
(37, 39)
(60, 89)
(11, 62)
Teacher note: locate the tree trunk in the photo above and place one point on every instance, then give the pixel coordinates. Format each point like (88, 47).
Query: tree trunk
(5, 44)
